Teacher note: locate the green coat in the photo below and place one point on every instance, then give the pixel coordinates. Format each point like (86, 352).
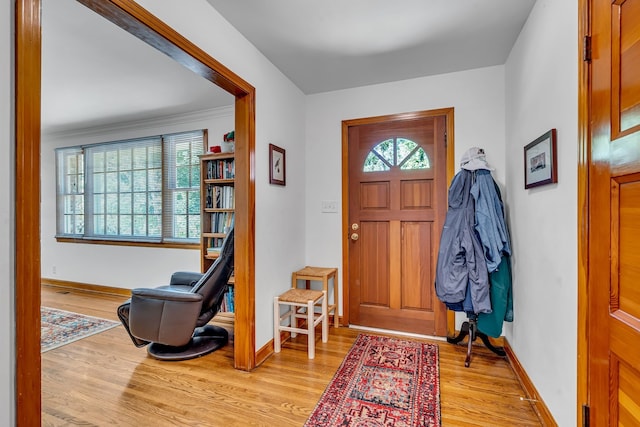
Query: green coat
(501, 300)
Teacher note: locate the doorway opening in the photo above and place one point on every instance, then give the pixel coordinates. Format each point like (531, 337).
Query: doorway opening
(133, 18)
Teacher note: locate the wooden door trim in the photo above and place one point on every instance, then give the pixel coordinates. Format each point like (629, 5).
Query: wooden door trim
(142, 24)
(27, 212)
(450, 165)
(584, 160)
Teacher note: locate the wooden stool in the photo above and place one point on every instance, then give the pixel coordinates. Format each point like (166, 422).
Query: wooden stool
(301, 304)
(323, 275)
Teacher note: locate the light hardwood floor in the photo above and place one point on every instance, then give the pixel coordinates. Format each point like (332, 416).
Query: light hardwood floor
(104, 380)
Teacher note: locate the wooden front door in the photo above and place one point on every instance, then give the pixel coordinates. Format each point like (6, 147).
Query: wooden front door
(397, 205)
(613, 321)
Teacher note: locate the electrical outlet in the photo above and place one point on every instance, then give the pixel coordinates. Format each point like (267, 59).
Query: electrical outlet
(330, 206)
(54, 270)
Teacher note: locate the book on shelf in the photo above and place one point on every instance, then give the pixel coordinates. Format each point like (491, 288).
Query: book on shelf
(230, 299)
(209, 197)
(221, 169)
(221, 222)
(228, 304)
(213, 250)
(214, 245)
(220, 197)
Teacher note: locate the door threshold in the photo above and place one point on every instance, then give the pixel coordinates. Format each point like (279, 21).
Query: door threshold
(390, 332)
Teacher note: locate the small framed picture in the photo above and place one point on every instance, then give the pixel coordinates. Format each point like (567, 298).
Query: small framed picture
(277, 165)
(540, 164)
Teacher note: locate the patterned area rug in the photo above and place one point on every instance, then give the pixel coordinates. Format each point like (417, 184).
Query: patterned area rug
(61, 327)
(383, 382)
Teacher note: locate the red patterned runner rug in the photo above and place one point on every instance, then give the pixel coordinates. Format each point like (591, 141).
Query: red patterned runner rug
(383, 382)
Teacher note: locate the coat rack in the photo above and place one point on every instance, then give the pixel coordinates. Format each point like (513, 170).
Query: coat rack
(475, 253)
(470, 328)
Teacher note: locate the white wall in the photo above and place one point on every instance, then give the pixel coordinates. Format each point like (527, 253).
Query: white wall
(541, 87)
(7, 197)
(280, 116)
(478, 100)
(107, 265)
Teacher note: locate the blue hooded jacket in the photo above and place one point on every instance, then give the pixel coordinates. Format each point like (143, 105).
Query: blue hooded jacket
(490, 222)
(461, 261)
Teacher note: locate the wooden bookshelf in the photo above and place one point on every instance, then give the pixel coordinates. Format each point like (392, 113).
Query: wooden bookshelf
(217, 202)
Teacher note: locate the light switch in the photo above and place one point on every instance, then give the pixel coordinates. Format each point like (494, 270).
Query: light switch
(329, 206)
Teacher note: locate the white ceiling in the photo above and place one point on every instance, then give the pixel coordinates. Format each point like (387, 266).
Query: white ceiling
(337, 44)
(95, 74)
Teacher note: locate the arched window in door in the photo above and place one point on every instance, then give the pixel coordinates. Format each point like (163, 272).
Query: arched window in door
(396, 152)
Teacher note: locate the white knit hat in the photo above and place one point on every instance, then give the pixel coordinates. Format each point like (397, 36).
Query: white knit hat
(474, 159)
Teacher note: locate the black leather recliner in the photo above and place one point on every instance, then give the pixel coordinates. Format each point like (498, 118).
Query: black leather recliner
(174, 319)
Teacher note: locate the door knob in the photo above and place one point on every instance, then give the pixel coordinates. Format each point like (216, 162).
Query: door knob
(354, 236)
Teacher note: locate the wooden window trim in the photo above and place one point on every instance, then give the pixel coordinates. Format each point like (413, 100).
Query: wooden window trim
(90, 241)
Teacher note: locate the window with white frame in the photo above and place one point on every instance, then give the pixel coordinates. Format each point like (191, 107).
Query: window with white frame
(145, 190)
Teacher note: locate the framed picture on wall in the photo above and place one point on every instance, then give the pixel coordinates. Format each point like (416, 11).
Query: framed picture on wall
(540, 164)
(277, 165)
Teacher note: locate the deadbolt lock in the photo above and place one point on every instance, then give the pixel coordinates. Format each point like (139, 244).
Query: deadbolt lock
(355, 226)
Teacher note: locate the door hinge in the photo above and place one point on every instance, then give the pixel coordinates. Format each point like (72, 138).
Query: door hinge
(586, 420)
(586, 49)
(445, 139)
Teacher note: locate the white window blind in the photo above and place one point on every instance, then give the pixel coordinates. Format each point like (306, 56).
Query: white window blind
(70, 191)
(182, 191)
(144, 189)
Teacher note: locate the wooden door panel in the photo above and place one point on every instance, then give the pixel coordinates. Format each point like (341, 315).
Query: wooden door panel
(624, 333)
(416, 194)
(416, 244)
(379, 317)
(629, 65)
(374, 240)
(625, 78)
(397, 320)
(628, 393)
(628, 271)
(375, 195)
